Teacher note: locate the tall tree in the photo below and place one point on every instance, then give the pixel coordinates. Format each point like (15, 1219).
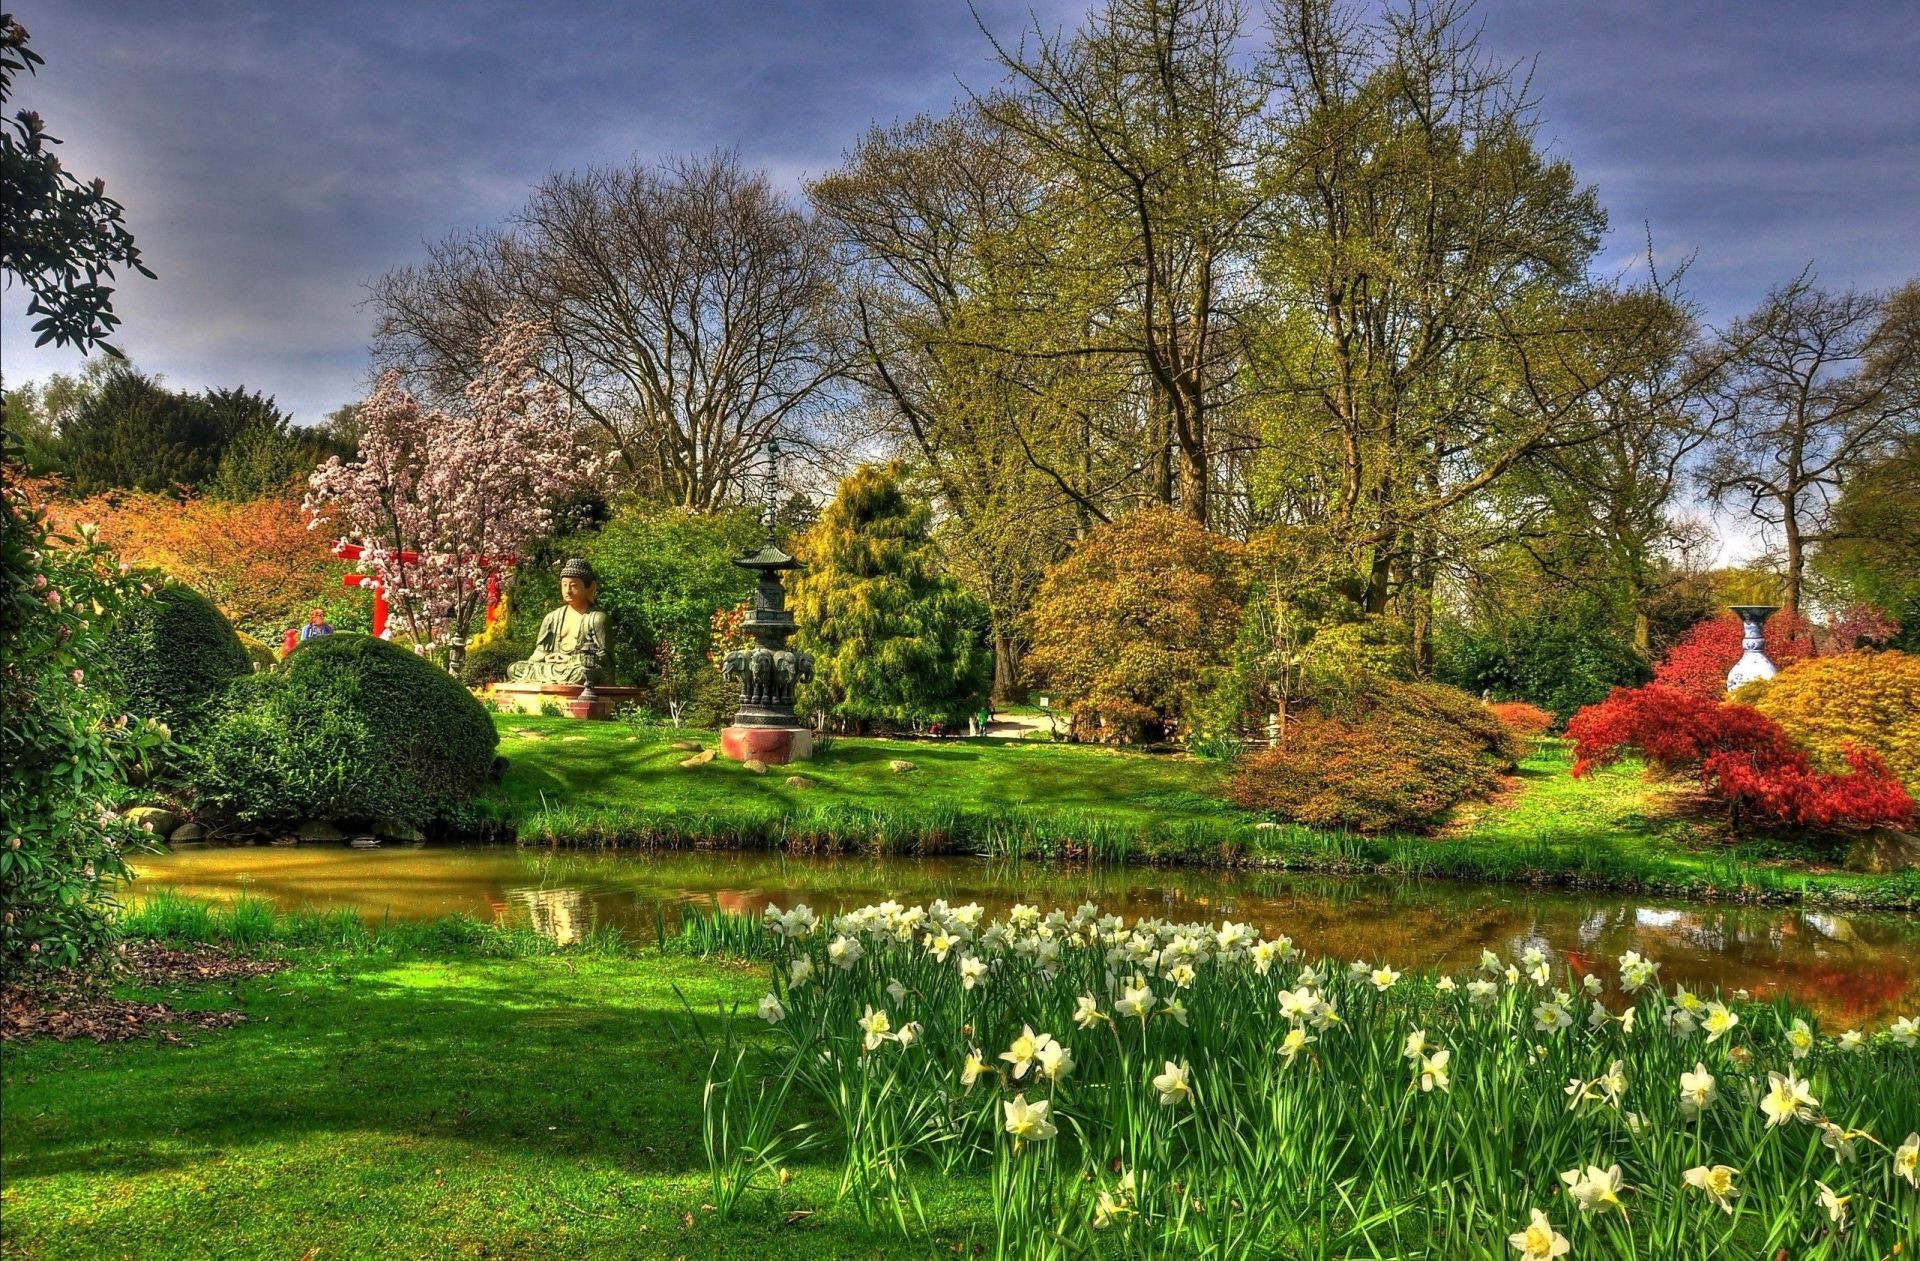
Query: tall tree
(60, 235)
(1827, 382)
(1147, 120)
(1871, 548)
(684, 311)
(133, 433)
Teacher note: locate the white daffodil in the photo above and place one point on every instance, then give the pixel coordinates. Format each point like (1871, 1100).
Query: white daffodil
(896, 991)
(974, 1066)
(1027, 1122)
(1906, 1031)
(939, 944)
(1176, 1010)
(1482, 993)
(1681, 1023)
(1086, 1012)
(1054, 1059)
(1697, 1090)
(1719, 1021)
(1135, 1000)
(1383, 978)
(1433, 1071)
(1836, 1205)
(1800, 1039)
(1550, 1017)
(1295, 1042)
(1111, 1205)
(1489, 961)
(1852, 1040)
(1533, 957)
(1613, 1082)
(973, 971)
(1592, 984)
(1021, 1054)
(799, 972)
(1541, 975)
(1906, 1160)
(1539, 1241)
(1716, 1181)
(1173, 1085)
(1358, 969)
(1594, 1189)
(1839, 1140)
(1635, 972)
(843, 952)
(1446, 985)
(1181, 974)
(1687, 1000)
(1416, 1046)
(1298, 1004)
(771, 1011)
(1788, 1098)
(876, 1027)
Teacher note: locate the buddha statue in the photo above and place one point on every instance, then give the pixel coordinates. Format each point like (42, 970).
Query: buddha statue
(572, 645)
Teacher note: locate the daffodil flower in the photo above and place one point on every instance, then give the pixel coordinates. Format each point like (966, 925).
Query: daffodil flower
(1595, 1190)
(1135, 1000)
(1173, 1085)
(1716, 1181)
(1906, 1031)
(1416, 1045)
(1539, 1241)
(1054, 1059)
(1086, 1012)
(1835, 1204)
(1906, 1160)
(1433, 1071)
(974, 1066)
(1800, 1039)
(1788, 1098)
(1697, 1090)
(1295, 1042)
(1027, 1122)
(1298, 1004)
(876, 1026)
(799, 972)
(771, 1011)
(1020, 1055)
(1719, 1021)
(1383, 978)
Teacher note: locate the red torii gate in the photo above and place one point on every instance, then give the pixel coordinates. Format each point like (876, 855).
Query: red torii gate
(371, 582)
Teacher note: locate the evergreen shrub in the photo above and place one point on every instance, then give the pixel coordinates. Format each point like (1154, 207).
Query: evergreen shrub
(351, 728)
(174, 654)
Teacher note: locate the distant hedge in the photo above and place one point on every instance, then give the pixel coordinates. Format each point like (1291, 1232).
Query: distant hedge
(350, 728)
(174, 655)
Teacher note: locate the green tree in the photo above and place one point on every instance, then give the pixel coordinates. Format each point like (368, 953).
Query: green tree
(262, 453)
(895, 641)
(1872, 548)
(1128, 627)
(62, 236)
(133, 433)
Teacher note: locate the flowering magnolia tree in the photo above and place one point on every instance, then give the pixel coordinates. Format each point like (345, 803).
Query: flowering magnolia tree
(438, 499)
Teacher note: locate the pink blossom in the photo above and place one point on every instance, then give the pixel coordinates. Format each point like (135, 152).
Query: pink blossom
(79, 677)
(438, 499)
(53, 599)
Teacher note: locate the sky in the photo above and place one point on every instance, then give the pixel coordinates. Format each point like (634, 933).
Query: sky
(275, 156)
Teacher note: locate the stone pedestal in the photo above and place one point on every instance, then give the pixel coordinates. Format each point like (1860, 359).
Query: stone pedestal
(776, 746)
(531, 698)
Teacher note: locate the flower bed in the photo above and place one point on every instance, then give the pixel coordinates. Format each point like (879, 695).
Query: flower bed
(1165, 1089)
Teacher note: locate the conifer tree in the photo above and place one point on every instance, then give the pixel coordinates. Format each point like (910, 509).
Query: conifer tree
(895, 641)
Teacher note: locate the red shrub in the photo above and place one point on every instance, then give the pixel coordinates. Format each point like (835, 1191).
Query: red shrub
(1699, 662)
(1521, 718)
(1740, 755)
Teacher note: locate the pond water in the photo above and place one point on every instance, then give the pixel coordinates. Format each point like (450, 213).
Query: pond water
(1852, 969)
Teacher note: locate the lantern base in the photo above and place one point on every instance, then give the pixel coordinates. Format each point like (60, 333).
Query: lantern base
(776, 746)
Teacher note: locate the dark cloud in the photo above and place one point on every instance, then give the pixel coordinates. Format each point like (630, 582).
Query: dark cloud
(275, 157)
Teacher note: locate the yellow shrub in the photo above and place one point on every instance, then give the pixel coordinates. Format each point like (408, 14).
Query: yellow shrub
(1869, 698)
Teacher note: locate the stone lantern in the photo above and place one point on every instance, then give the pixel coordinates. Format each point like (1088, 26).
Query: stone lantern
(1753, 664)
(769, 672)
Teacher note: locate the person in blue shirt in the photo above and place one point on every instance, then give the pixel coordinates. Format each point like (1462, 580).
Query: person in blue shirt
(316, 626)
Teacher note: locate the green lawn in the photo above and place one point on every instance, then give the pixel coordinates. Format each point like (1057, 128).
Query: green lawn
(608, 783)
(376, 1105)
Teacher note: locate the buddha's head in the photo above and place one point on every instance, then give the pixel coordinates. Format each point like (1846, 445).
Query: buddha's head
(578, 585)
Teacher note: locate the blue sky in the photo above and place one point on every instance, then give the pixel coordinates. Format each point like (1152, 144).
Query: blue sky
(274, 157)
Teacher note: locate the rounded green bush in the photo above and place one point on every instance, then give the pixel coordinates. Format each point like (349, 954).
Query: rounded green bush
(175, 654)
(350, 728)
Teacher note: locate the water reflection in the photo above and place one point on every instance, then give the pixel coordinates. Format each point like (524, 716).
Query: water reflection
(1852, 969)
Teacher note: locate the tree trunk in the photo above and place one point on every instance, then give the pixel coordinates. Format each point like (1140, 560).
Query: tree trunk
(1796, 555)
(1006, 666)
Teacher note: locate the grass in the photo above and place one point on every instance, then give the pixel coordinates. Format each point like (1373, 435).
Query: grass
(572, 783)
(455, 1089)
(443, 1090)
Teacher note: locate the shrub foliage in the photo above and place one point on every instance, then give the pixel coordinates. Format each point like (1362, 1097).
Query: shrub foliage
(349, 728)
(1396, 756)
(1741, 756)
(1867, 700)
(1698, 663)
(174, 654)
(1127, 627)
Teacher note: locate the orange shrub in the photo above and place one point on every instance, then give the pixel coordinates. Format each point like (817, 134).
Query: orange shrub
(1401, 758)
(1868, 699)
(1529, 722)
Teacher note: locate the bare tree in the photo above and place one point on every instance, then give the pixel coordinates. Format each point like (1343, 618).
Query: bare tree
(1826, 382)
(687, 311)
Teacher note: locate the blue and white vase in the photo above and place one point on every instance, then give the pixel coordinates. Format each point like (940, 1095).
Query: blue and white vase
(1753, 664)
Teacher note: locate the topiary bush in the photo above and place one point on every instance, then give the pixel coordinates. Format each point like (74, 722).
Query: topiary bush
(174, 654)
(262, 657)
(488, 663)
(1395, 756)
(1868, 700)
(350, 728)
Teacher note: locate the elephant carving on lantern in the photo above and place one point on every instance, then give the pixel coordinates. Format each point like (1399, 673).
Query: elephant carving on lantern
(767, 677)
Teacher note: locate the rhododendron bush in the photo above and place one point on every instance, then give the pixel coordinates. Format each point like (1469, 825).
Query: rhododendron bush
(1868, 699)
(1740, 755)
(440, 498)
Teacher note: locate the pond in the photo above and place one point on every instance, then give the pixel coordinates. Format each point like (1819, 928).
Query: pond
(1852, 969)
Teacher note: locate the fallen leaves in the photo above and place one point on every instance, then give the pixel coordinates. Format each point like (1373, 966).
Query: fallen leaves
(65, 1006)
